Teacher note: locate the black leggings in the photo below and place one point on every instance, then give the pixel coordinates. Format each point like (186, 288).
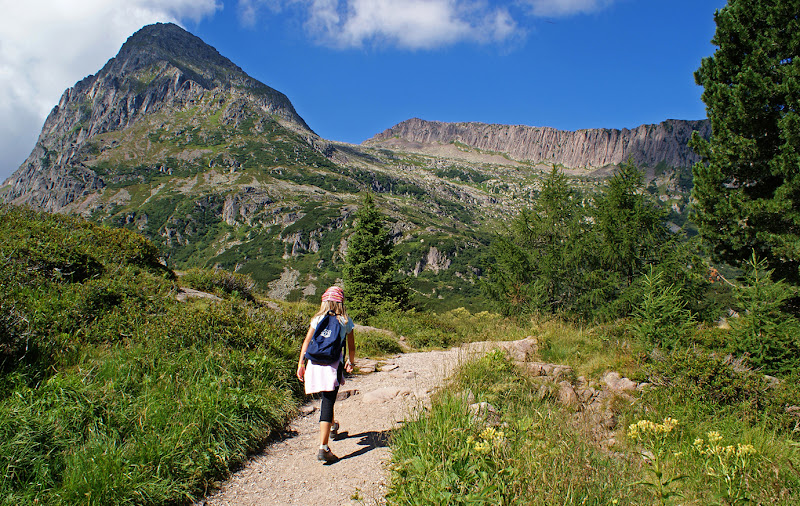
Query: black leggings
(326, 408)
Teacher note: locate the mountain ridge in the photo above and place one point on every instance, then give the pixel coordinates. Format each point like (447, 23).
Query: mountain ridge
(591, 148)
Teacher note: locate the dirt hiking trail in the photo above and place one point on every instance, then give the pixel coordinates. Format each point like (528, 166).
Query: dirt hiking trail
(369, 407)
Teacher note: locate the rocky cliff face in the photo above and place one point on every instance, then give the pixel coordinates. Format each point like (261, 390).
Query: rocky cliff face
(649, 145)
(160, 67)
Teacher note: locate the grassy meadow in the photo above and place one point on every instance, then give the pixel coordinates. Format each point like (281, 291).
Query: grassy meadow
(112, 391)
(704, 431)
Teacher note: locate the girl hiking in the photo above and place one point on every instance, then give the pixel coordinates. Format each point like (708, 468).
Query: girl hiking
(324, 373)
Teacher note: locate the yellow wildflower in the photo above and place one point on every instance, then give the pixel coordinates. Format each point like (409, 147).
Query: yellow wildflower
(745, 449)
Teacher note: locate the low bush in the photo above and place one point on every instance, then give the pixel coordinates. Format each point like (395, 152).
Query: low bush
(112, 391)
(376, 345)
(441, 330)
(220, 282)
(724, 383)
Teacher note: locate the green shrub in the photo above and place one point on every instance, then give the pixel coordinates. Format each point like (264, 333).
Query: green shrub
(220, 281)
(424, 329)
(766, 333)
(376, 344)
(113, 392)
(723, 383)
(661, 319)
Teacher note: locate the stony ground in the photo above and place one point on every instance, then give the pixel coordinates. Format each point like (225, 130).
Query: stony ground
(376, 403)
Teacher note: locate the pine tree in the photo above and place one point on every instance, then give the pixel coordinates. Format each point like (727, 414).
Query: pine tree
(371, 276)
(540, 263)
(632, 229)
(747, 187)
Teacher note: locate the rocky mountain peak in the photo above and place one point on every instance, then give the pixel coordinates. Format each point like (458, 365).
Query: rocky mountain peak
(160, 43)
(160, 68)
(167, 41)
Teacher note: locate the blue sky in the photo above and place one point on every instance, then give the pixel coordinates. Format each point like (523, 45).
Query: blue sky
(353, 68)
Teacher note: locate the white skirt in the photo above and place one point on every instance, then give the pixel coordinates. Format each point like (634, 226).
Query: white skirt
(321, 377)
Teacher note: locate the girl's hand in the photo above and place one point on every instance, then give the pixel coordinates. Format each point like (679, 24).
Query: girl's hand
(348, 367)
(301, 371)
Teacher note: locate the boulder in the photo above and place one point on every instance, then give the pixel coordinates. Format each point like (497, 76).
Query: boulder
(566, 394)
(522, 350)
(617, 383)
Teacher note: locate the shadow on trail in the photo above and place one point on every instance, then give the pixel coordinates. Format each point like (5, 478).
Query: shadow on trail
(369, 440)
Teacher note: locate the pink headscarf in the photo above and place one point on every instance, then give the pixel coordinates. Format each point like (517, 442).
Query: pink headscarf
(333, 294)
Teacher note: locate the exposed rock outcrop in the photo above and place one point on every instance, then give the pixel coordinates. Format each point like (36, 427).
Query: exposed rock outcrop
(592, 148)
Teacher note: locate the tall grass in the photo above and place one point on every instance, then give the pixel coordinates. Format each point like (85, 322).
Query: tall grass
(531, 456)
(112, 391)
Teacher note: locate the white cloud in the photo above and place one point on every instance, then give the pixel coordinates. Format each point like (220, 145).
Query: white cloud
(557, 8)
(48, 45)
(409, 24)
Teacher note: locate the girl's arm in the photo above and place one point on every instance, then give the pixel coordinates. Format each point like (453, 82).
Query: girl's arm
(301, 367)
(351, 352)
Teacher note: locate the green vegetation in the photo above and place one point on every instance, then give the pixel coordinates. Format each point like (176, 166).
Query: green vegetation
(451, 328)
(586, 256)
(370, 270)
(220, 282)
(376, 345)
(465, 175)
(746, 186)
(688, 439)
(112, 391)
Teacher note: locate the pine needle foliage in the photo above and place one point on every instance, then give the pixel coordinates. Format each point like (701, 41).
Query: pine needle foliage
(371, 276)
(764, 331)
(662, 319)
(582, 256)
(746, 187)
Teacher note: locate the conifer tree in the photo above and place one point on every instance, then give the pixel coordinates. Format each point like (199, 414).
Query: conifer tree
(631, 228)
(371, 267)
(540, 264)
(747, 186)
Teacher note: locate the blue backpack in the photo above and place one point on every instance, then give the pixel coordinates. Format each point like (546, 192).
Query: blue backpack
(326, 346)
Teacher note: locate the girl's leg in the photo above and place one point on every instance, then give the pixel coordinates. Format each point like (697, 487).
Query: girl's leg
(326, 416)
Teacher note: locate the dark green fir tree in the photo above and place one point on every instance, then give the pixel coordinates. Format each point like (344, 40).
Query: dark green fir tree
(371, 276)
(747, 186)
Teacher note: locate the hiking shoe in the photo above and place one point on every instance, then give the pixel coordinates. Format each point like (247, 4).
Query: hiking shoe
(326, 456)
(334, 428)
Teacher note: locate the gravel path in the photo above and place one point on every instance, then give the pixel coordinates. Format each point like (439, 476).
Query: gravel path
(287, 471)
